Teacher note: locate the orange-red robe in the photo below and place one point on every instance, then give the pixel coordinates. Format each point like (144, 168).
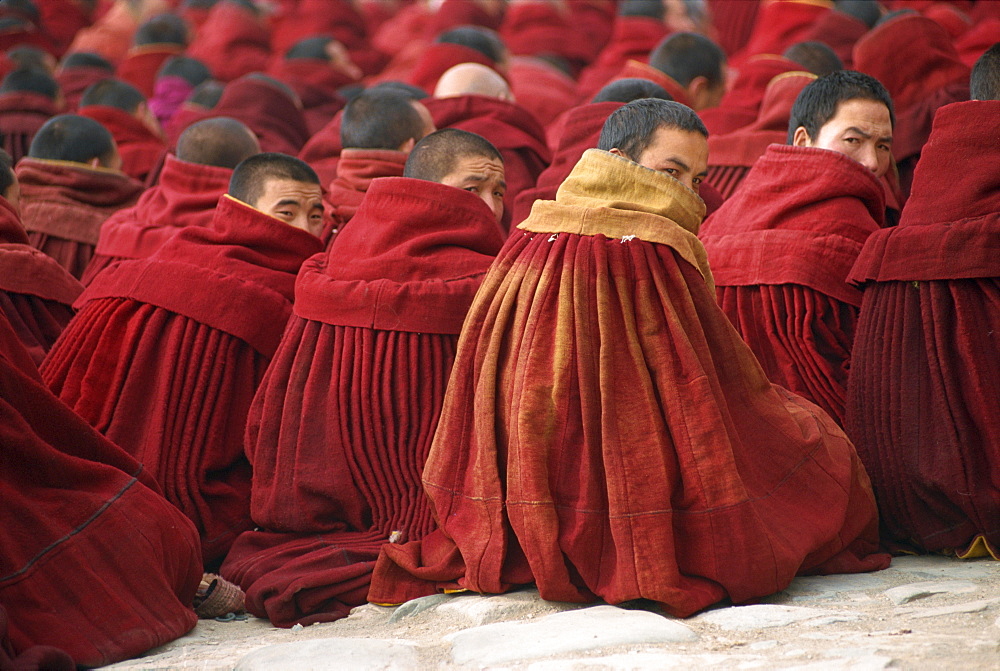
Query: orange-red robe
(780, 249)
(340, 428)
(140, 148)
(606, 433)
(923, 390)
(166, 353)
(232, 42)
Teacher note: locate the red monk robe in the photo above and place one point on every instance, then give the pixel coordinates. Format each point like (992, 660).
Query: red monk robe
(63, 205)
(339, 19)
(355, 172)
(455, 13)
(74, 81)
(839, 31)
(22, 113)
(142, 63)
(535, 28)
(437, 59)
(780, 249)
(274, 117)
(977, 40)
(731, 155)
(643, 71)
(340, 428)
(923, 391)
(515, 133)
(541, 88)
(36, 293)
(140, 148)
(633, 37)
(740, 106)
(232, 42)
(166, 353)
(93, 560)
(569, 451)
(322, 150)
(317, 85)
(780, 24)
(185, 195)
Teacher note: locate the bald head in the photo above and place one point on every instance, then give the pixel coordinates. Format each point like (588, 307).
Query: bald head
(472, 79)
(222, 142)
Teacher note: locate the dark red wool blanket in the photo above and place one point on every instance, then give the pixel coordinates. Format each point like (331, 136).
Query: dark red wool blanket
(22, 113)
(140, 148)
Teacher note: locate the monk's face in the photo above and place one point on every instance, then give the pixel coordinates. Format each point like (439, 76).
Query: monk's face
(682, 154)
(482, 176)
(299, 204)
(861, 129)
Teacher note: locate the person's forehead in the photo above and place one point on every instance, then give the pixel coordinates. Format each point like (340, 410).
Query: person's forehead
(676, 140)
(474, 165)
(284, 188)
(860, 110)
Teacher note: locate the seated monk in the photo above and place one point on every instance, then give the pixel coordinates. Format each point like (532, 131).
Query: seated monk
(36, 293)
(781, 247)
(71, 181)
(157, 40)
(77, 72)
(189, 188)
(603, 431)
(166, 352)
(28, 98)
(121, 109)
(462, 44)
(475, 98)
(378, 129)
(923, 392)
(234, 40)
(340, 427)
(93, 560)
(175, 81)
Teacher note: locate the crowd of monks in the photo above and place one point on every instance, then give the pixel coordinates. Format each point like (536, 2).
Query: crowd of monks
(314, 303)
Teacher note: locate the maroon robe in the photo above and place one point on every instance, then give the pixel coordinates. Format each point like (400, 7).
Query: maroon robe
(166, 353)
(185, 195)
(317, 85)
(74, 81)
(455, 13)
(142, 63)
(780, 250)
(322, 151)
(437, 59)
(639, 70)
(338, 19)
(515, 133)
(355, 172)
(36, 293)
(140, 148)
(923, 390)
(63, 205)
(779, 24)
(22, 113)
(741, 104)
(93, 560)
(274, 117)
(232, 42)
(632, 38)
(340, 428)
(540, 88)
(534, 28)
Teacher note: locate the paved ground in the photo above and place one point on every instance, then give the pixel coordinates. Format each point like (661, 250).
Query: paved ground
(921, 613)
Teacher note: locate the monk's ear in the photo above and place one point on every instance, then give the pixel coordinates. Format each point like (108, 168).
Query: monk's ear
(95, 162)
(407, 146)
(617, 152)
(801, 137)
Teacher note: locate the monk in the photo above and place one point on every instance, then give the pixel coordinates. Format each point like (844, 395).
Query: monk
(175, 82)
(123, 110)
(28, 98)
(157, 40)
(71, 181)
(166, 352)
(475, 98)
(36, 293)
(603, 432)
(93, 561)
(77, 72)
(378, 129)
(782, 245)
(340, 427)
(189, 188)
(923, 391)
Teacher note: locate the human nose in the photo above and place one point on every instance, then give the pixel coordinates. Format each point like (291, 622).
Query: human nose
(495, 203)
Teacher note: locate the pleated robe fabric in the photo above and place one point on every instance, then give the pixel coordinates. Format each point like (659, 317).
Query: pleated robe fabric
(780, 249)
(166, 353)
(63, 205)
(185, 195)
(606, 433)
(93, 560)
(36, 293)
(339, 430)
(923, 390)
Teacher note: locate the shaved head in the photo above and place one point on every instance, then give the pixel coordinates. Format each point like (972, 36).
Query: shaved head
(222, 142)
(435, 156)
(472, 79)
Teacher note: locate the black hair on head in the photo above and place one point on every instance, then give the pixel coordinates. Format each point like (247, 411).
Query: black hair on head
(85, 59)
(380, 120)
(435, 156)
(311, 47)
(113, 93)
(631, 128)
(409, 90)
(219, 141)
(207, 94)
(70, 137)
(627, 90)
(984, 84)
(866, 11)
(483, 40)
(32, 81)
(251, 176)
(684, 56)
(819, 100)
(815, 57)
(189, 69)
(162, 29)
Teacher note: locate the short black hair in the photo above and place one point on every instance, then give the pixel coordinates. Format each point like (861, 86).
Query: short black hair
(984, 83)
(274, 83)
(819, 100)
(485, 41)
(7, 176)
(632, 127)
(162, 29)
(189, 69)
(27, 56)
(895, 14)
(409, 90)
(207, 94)
(219, 141)
(70, 137)
(815, 57)
(632, 88)
(684, 56)
(113, 93)
(30, 80)
(310, 47)
(865, 11)
(435, 156)
(23, 9)
(86, 59)
(251, 176)
(652, 9)
(200, 4)
(379, 120)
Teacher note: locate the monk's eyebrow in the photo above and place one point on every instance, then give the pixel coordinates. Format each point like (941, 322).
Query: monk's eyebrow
(483, 178)
(677, 161)
(287, 201)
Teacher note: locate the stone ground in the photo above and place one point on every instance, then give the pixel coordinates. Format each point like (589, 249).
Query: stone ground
(921, 613)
